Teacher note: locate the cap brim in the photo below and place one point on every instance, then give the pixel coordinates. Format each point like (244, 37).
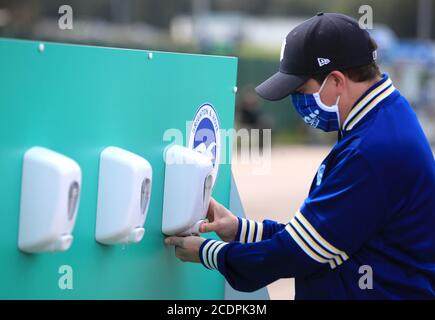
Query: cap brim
(280, 85)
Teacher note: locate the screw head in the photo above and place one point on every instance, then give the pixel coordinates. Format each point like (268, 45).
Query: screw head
(41, 47)
(150, 55)
(235, 89)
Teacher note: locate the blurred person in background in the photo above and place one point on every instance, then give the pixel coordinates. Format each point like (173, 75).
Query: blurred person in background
(250, 116)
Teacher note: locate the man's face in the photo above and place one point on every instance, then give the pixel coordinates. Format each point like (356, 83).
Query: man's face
(329, 92)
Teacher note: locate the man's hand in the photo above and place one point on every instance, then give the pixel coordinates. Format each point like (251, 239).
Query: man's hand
(221, 221)
(186, 248)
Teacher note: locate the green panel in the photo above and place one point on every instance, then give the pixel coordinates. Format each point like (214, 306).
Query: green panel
(77, 100)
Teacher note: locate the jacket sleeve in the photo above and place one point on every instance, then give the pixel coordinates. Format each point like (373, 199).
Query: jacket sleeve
(344, 212)
(251, 266)
(250, 231)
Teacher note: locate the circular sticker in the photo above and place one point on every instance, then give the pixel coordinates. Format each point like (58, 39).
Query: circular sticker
(205, 135)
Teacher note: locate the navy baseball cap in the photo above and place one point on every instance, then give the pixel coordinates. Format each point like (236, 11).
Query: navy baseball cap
(323, 43)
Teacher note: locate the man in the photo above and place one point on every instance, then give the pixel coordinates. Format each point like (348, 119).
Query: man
(371, 205)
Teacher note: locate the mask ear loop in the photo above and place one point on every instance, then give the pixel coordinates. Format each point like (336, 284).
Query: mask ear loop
(323, 84)
(338, 112)
(336, 101)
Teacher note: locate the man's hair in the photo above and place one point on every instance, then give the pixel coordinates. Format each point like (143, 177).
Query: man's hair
(357, 74)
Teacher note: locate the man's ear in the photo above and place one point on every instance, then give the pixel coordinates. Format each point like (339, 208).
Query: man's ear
(339, 80)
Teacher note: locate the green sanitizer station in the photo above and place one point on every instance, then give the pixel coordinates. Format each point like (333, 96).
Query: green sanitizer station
(84, 133)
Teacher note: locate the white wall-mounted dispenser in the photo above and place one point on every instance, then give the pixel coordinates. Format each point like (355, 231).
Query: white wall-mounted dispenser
(50, 194)
(187, 190)
(124, 192)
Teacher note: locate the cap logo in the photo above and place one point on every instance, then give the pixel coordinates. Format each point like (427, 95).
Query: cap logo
(323, 61)
(281, 56)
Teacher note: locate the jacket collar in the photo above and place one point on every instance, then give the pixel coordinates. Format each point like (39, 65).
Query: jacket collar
(368, 101)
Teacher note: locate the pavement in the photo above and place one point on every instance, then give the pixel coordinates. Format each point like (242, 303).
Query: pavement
(278, 191)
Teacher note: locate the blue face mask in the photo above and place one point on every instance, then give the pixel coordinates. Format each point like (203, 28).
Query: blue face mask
(315, 113)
